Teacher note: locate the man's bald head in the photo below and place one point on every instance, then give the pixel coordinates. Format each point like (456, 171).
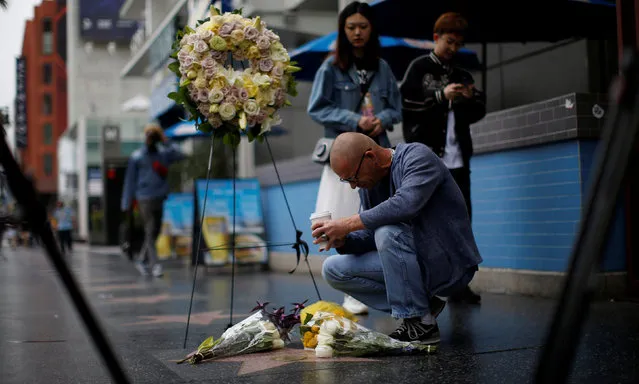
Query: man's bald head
(349, 147)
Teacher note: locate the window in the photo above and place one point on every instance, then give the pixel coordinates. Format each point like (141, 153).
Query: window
(48, 164)
(47, 104)
(47, 134)
(47, 36)
(47, 73)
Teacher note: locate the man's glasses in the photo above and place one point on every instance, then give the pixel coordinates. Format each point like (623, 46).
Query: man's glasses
(353, 179)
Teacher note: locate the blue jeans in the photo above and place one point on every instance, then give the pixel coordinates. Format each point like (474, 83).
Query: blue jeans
(389, 279)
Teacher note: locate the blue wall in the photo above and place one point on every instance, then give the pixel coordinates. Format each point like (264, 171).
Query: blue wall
(526, 208)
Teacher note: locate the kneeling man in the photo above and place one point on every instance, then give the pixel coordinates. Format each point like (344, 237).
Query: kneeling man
(412, 241)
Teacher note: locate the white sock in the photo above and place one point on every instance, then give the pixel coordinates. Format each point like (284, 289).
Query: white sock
(428, 319)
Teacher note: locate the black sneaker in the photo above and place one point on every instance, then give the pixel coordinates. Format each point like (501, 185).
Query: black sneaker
(436, 306)
(413, 331)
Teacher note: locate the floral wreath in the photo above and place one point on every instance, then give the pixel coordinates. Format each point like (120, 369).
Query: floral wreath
(234, 74)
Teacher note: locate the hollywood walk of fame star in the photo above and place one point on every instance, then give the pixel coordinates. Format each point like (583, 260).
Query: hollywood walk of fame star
(204, 318)
(262, 361)
(145, 299)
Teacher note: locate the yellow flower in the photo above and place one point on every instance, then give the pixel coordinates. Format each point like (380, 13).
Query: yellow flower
(218, 43)
(237, 36)
(253, 53)
(326, 306)
(215, 108)
(242, 120)
(200, 81)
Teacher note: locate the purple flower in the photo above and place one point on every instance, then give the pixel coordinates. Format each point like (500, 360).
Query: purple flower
(263, 42)
(226, 29)
(261, 116)
(209, 73)
(203, 96)
(278, 71)
(218, 55)
(266, 65)
(204, 108)
(182, 54)
(251, 33)
(260, 306)
(243, 95)
(231, 99)
(208, 63)
(271, 35)
(226, 90)
(200, 46)
(187, 61)
(235, 91)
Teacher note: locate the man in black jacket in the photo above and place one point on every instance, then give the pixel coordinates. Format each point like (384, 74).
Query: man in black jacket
(440, 102)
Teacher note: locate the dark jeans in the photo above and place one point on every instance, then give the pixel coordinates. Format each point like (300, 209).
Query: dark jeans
(66, 240)
(462, 178)
(151, 211)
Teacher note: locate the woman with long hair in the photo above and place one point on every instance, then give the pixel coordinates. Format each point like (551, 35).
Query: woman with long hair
(354, 91)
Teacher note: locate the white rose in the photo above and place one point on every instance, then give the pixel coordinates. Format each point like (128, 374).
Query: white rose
(251, 107)
(227, 111)
(216, 95)
(324, 339)
(323, 351)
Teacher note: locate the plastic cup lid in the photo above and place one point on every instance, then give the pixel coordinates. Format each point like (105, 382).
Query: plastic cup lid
(317, 215)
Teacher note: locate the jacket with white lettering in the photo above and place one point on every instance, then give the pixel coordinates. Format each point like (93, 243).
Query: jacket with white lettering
(425, 109)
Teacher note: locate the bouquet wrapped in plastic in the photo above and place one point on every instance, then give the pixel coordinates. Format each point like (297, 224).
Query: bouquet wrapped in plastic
(262, 331)
(337, 336)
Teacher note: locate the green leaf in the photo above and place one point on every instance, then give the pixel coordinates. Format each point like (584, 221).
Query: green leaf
(188, 81)
(175, 68)
(205, 127)
(237, 11)
(189, 29)
(174, 96)
(200, 22)
(307, 318)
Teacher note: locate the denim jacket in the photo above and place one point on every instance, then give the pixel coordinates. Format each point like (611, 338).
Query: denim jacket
(141, 182)
(335, 95)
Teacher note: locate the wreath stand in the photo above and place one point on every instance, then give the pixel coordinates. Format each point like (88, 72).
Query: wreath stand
(300, 246)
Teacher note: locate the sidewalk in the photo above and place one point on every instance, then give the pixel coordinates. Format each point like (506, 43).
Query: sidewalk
(43, 341)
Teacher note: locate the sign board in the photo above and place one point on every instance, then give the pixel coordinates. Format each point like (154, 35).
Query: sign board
(100, 21)
(250, 236)
(20, 120)
(175, 240)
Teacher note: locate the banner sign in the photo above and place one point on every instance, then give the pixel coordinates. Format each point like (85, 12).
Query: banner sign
(177, 227)
(21, 103)
(250, 237)
(100, 21)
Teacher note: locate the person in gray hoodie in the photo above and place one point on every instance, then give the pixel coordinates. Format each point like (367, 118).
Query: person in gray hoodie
(146, 181)
(412, 241)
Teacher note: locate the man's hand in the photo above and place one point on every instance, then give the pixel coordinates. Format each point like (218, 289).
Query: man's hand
(467, 91)
(336, 230)
(367, 123)
(453, 90)
(377, 128)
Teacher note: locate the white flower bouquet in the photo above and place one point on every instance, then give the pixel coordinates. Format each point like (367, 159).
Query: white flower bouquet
(220, 97)
(339, 336)
(260, 332)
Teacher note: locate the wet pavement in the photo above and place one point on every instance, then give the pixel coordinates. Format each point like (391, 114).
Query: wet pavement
(42, 340)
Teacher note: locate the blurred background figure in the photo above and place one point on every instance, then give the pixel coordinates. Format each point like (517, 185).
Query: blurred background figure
(146, 182)
(64, 222)
(334, 103)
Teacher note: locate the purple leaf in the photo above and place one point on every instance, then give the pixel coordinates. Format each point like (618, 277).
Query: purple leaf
(260, 306)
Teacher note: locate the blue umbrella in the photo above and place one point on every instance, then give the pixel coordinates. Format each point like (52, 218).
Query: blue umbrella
(186, 129)
(529, 20)
(398, 52)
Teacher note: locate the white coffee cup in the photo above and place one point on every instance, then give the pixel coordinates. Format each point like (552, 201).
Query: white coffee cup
(319, 217)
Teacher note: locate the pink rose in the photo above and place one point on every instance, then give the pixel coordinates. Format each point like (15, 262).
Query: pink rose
(209, 73)
(200, 46)
(250, 121)
(243, 95)
(182, 54)
(215, 120)
(261, 116)
(231, 99)
(208, 63)
(226, 29)
(239, 55)
(263, 42)
(226, 90)
(266, 65)
(278, 71)
(205, 35)
(251, 33)
(187, 61)
(218, 55)
(235, 91)
(203, 96)
(204, 108)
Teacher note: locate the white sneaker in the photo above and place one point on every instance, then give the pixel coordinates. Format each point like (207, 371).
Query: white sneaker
(354, 306)
(157, 270)
(142, 269)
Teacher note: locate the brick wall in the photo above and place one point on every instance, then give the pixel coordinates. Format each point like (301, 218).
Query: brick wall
(570, 116)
